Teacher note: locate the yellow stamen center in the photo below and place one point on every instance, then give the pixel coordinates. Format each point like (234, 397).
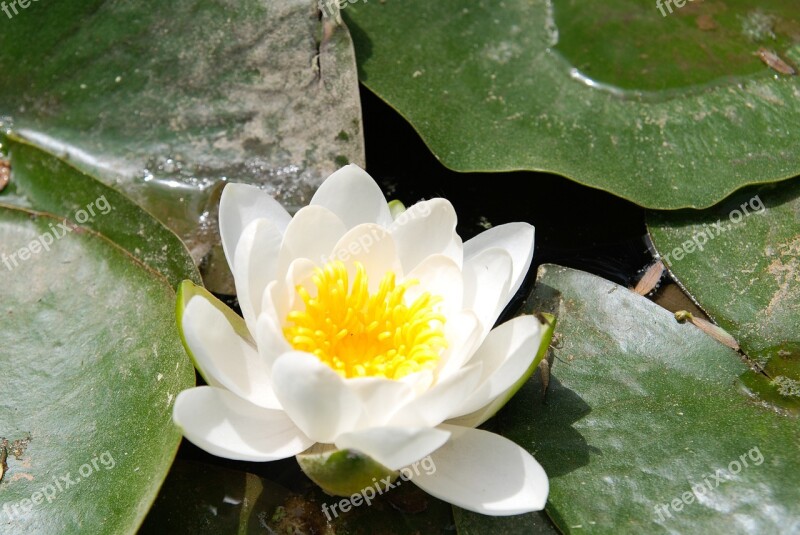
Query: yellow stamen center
(359, 334)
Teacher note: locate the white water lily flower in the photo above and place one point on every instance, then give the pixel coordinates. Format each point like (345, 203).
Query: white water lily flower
(366, 333)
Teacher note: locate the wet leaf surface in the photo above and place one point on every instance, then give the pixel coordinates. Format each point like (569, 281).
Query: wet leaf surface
(641, 412)
(741, 262)
(49, 183)
(91, 363)
(613, 95)
(167, 100)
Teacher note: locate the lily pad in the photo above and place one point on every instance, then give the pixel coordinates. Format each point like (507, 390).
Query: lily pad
(168, 100)
(645, 426)
(45, 182)
(91, 363)
(741, 262)
(611, 94)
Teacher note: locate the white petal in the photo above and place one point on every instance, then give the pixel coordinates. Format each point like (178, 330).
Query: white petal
(427, 228)
(440, 276)
(256, 260)
(314, 396)
(354, 196)
(241, 204)
(312, 234)
(270, 340)
(394, 447)
(225, 425)
(419, 381)
(485, 473)
(506, 354)
(441, 401)
(379, 398)
(517, 239)
(487, 277)
(276, 301)
(464, 333)
(223, 356)
(374, 248)
(280, 296)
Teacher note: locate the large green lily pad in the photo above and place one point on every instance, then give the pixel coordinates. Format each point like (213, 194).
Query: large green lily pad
(741, 262)
(611, 94)
(46, 182)
(169, 99)
(91, 363)
(642, 412)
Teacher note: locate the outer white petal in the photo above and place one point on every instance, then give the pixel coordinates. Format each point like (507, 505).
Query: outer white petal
(354, 196)
(506, 354)
(517, 239)
(225, 425)
(485, 473)
(394, 447)
(374, 248)
(241, 204)
(314, 396)
(441, 401)
(256, 260)
(441, 276)
(487, 277)
(223, 356)
(427, 228)
(312, 234)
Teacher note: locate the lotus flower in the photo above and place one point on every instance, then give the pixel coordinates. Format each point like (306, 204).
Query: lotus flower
(368, 334)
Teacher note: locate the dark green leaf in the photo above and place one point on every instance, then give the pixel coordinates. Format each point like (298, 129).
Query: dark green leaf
(46, 182)
(611, 94)
(641, 412)
(741, 262)
(91, 364)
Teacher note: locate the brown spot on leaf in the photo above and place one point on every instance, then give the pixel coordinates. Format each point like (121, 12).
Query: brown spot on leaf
(774, 61)
(706, 22)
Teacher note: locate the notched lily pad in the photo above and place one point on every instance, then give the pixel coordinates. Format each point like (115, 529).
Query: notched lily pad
(646, 425)
(610, 94)
(92, 363)
(741, 262)
(44, 181)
